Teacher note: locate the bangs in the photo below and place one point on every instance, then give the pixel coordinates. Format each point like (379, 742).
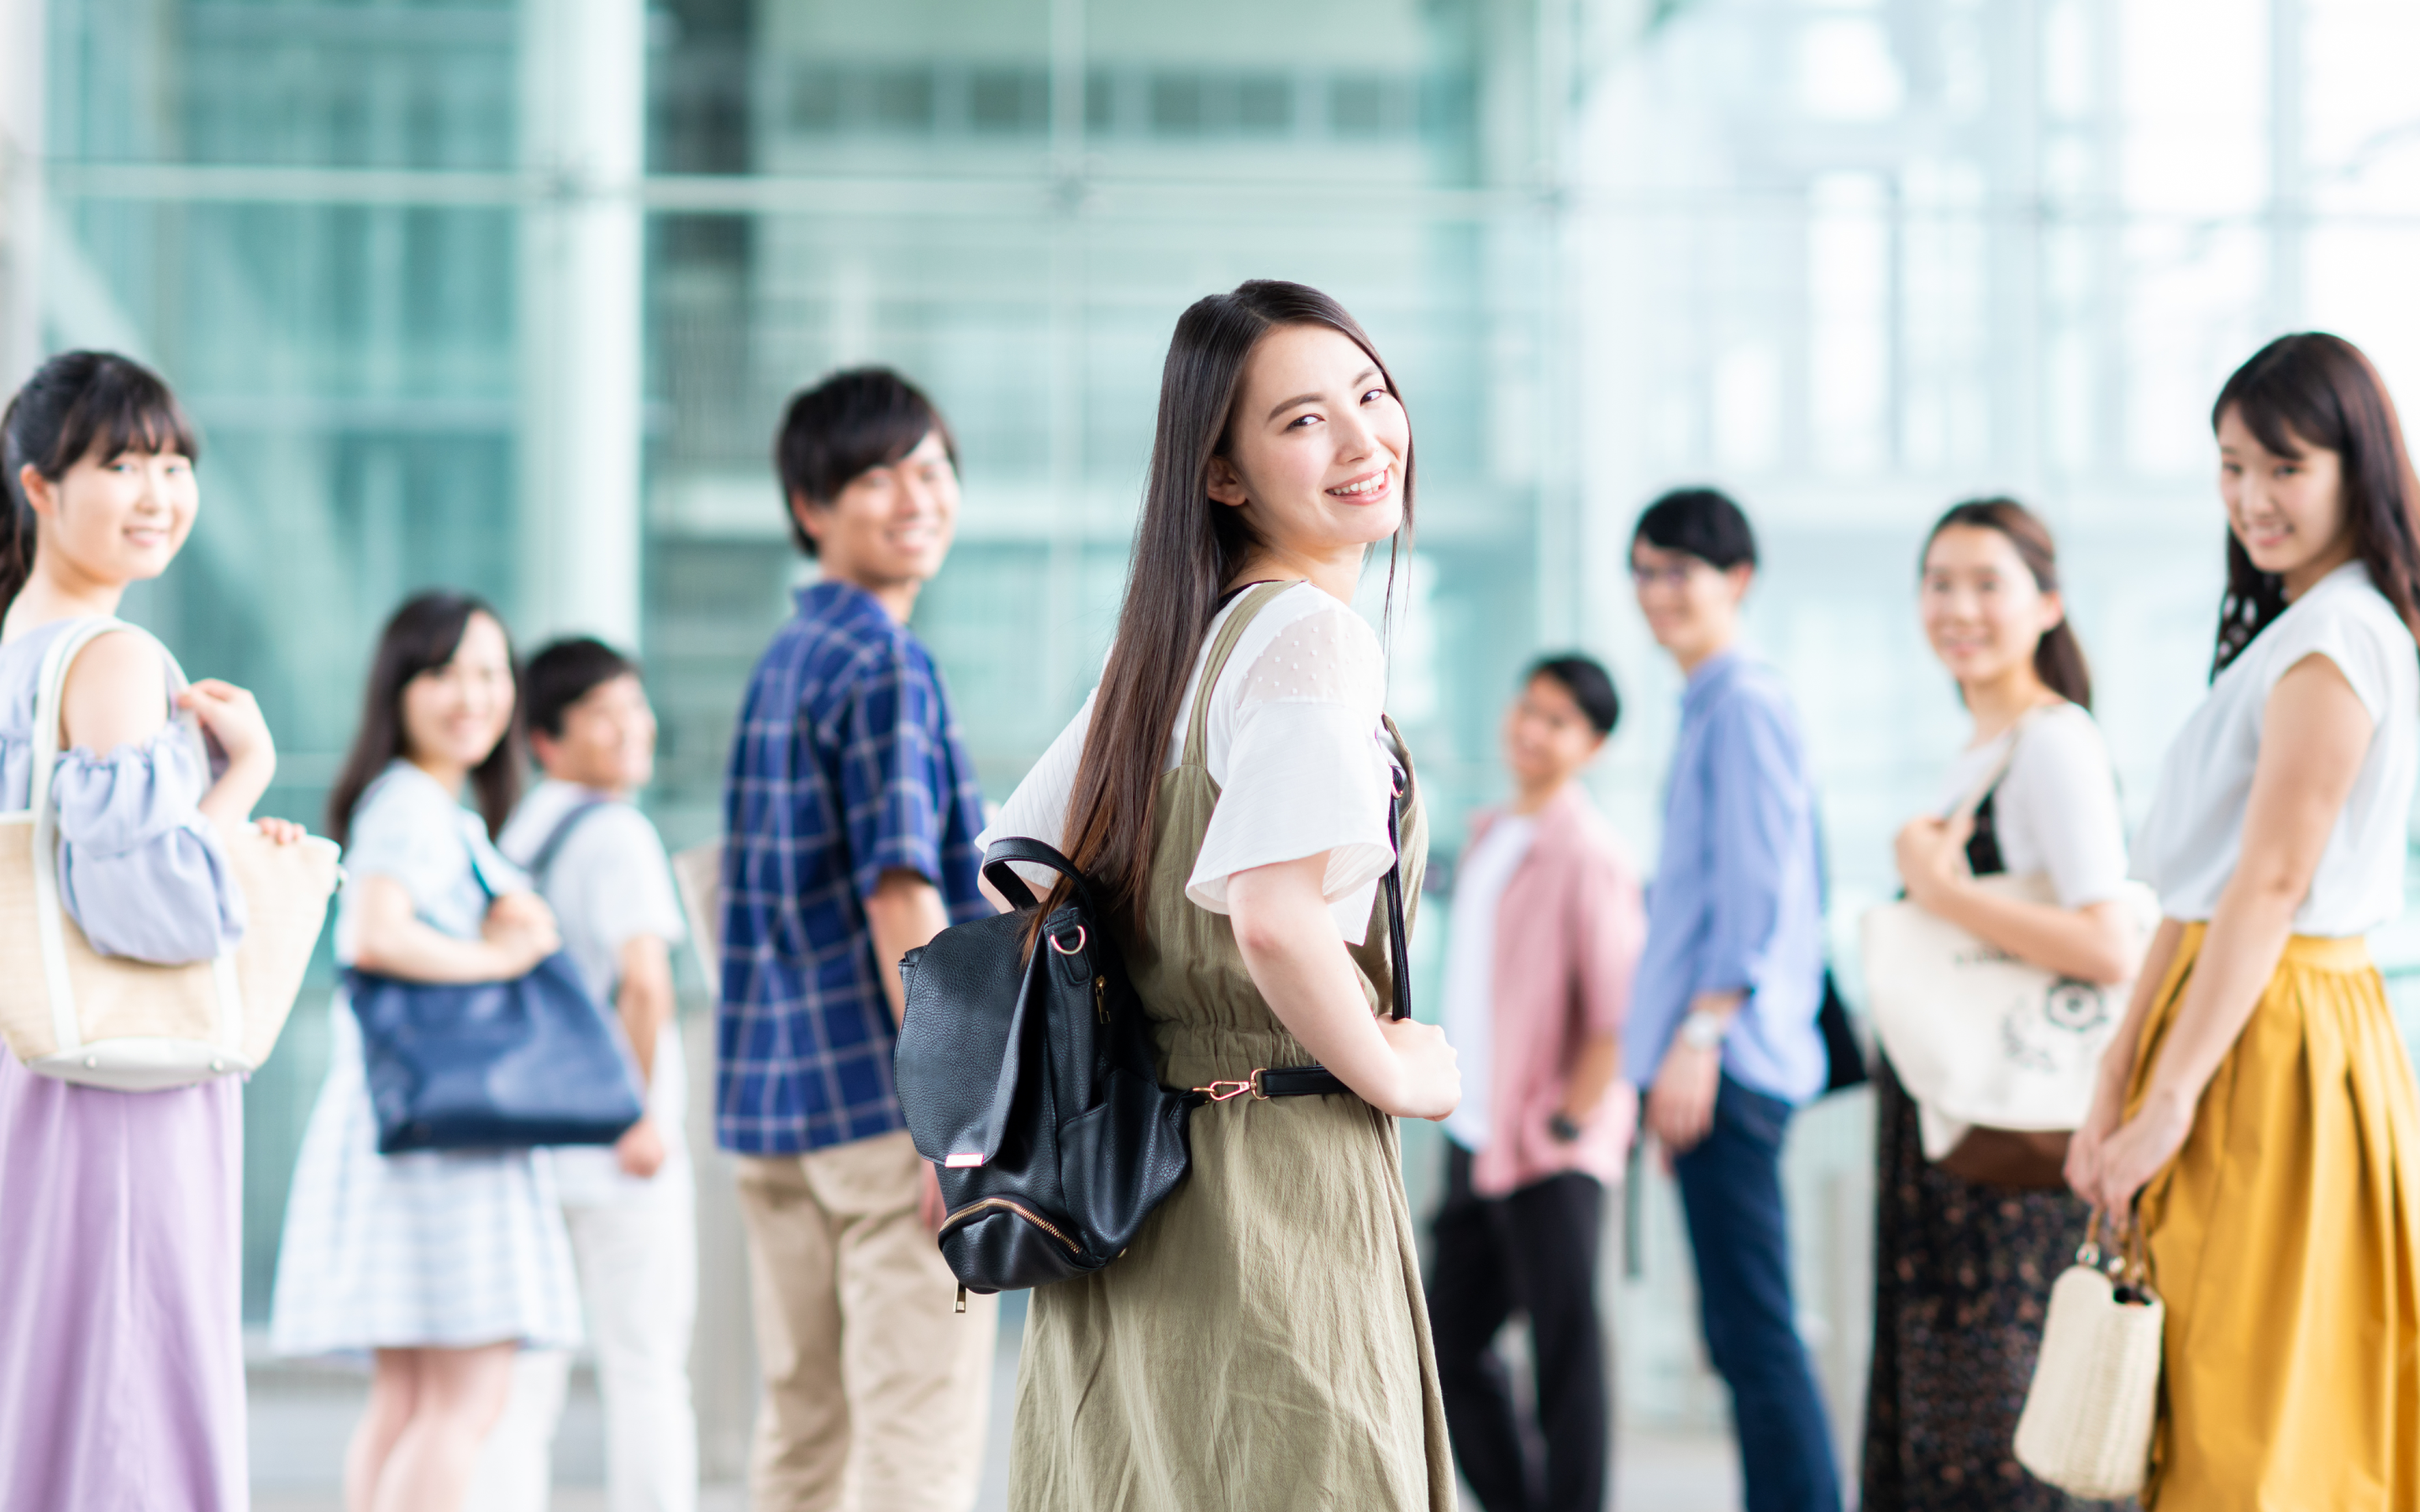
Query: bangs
(2279, 410)
(125, 409)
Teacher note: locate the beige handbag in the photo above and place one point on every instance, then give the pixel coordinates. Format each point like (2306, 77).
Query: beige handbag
(73, 1013)
(1978, 1037)
(2087, 1420)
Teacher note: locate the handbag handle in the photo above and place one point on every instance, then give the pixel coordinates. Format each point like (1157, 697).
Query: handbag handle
(1968, 805)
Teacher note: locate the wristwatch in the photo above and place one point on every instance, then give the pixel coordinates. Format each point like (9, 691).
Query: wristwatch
(1704, 1032)
(1562, 1128)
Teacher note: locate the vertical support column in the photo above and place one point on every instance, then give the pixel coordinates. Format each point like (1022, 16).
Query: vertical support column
(1063, 664)
(2015, 256)
(582, 131)
(22, 103)
(2287, 217)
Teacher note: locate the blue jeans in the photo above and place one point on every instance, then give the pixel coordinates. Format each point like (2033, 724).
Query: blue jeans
(1730, 1188)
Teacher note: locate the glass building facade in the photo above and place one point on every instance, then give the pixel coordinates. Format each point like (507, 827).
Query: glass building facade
(508, 297)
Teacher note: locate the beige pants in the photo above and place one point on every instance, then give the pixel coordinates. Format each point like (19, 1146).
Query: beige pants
(878, 1392)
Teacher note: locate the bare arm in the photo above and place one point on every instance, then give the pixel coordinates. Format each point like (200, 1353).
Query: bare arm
(2314, 735)
(117, 695)
(1599, 1058)
(390, 940)
(1290, 946)
(2118, 1062)
(905, 912)
(644, 1001)
(2096, 942)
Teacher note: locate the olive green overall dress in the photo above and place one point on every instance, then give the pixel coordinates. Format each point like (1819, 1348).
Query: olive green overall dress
(1265, 1341)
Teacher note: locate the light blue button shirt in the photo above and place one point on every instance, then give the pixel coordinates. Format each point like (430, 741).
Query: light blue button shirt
(1737, 901)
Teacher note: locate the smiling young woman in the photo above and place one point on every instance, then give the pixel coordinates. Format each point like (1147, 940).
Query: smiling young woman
(1265, 1339)
(2259, 1104)
(1962, 1267)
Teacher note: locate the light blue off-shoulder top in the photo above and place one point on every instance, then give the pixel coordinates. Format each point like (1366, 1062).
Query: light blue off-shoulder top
(141, 872)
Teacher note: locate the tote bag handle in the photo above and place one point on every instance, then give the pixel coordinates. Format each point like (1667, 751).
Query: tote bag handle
(50, 716)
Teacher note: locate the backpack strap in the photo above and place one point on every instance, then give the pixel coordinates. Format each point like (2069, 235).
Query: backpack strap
(1197, 728)
(542, 862)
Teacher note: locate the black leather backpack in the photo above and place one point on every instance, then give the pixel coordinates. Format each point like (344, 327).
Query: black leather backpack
(1028, 1081)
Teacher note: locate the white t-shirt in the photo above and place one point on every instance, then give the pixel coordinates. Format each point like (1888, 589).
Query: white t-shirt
(1295, 745)
(2055, 812)
(610, 881)
(2193, 835)
(1479, 885)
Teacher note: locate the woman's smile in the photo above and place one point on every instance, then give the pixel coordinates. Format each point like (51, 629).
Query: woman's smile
(1368, 488)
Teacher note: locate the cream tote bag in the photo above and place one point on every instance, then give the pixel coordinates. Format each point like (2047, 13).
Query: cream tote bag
(1977, 1035)
(70, 1012)
(2087, 1419)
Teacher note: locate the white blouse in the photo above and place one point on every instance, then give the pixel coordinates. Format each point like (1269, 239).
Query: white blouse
(2190, 842)
(2055, 812)
(1295, 747)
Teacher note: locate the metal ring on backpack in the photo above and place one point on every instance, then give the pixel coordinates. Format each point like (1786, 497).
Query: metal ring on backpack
(1068, 949)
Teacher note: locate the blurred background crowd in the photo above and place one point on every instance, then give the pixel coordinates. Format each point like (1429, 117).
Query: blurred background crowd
(507, 296)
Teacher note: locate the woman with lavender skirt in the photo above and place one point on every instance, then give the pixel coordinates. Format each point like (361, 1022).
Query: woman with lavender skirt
(121, 1358)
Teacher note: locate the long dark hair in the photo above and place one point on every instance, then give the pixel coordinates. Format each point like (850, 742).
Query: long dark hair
(421, 637)
(1186, 549)
(2058, 656)
(2312, 389)
(76, 405)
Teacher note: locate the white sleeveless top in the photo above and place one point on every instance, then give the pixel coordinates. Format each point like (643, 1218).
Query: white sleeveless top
(2189, 847)
(1295, 745)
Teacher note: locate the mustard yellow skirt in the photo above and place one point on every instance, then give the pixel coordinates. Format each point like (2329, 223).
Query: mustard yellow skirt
(2285, 1238)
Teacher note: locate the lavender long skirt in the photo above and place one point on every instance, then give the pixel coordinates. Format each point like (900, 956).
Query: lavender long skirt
(121, 1334)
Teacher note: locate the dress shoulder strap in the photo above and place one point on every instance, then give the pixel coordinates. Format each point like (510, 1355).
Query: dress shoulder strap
(1197, 728)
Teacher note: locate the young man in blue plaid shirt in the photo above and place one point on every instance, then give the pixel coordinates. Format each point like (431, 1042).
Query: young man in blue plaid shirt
(850, 812)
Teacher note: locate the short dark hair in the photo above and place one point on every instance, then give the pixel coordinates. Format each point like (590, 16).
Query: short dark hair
(563, 673)
(1586, 680)
(853, 421)
(1705, 522)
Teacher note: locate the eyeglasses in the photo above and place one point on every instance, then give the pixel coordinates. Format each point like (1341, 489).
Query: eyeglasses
(1674, 576)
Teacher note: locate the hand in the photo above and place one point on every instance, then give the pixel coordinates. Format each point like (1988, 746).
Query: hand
(2140, 1149)
(280, 831)
(1428, 1083)
(1680, 1105)
(640, 1151)
(233, 719)
(521, 929)
(2082, 1167)
(929, 1204)
(1931, 855)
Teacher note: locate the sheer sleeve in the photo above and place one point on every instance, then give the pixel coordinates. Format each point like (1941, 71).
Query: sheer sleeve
(1304, 771)
(141, 872)
(1038, 809)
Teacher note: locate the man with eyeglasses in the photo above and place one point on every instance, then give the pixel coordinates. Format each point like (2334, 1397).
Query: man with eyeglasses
(1722, 1033)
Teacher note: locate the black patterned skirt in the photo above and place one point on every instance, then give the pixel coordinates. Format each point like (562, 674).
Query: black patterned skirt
(1962, 1271)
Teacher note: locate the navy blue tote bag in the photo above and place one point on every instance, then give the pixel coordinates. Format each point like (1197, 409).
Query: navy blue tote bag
(533, 1060)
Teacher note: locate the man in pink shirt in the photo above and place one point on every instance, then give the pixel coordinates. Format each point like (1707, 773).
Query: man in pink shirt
(1545, 932)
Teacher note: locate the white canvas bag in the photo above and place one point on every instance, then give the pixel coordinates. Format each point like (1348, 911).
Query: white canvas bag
(1975, 1035)
(2089, 1415)
(68, 1011)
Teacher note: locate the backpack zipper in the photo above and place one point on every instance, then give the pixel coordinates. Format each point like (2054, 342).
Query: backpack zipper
(1006, 1205)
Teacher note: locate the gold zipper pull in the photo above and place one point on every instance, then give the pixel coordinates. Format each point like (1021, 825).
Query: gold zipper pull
(962, 1296)
(1101, 998)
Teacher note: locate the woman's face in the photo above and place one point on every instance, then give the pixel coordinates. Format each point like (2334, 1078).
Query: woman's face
(1982, 611)
(1548, 736)
(2287, 511)
(1316, 445)
(113, 520)
(454, 715)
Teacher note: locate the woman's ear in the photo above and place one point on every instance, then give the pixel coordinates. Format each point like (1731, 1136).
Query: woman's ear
(39, 490)
(1225, 484)
(2054, 611)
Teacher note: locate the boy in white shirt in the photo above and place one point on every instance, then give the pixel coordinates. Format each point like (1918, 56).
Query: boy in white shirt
(599, 864)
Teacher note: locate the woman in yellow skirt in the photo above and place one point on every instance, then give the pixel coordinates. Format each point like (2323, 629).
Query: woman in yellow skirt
(2257, 1116)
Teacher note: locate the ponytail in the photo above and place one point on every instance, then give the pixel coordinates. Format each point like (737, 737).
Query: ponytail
(2058, 656)
(75, 406)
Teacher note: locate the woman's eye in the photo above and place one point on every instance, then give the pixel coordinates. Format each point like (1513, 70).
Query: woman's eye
(1375, 394)
(1300, 420)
